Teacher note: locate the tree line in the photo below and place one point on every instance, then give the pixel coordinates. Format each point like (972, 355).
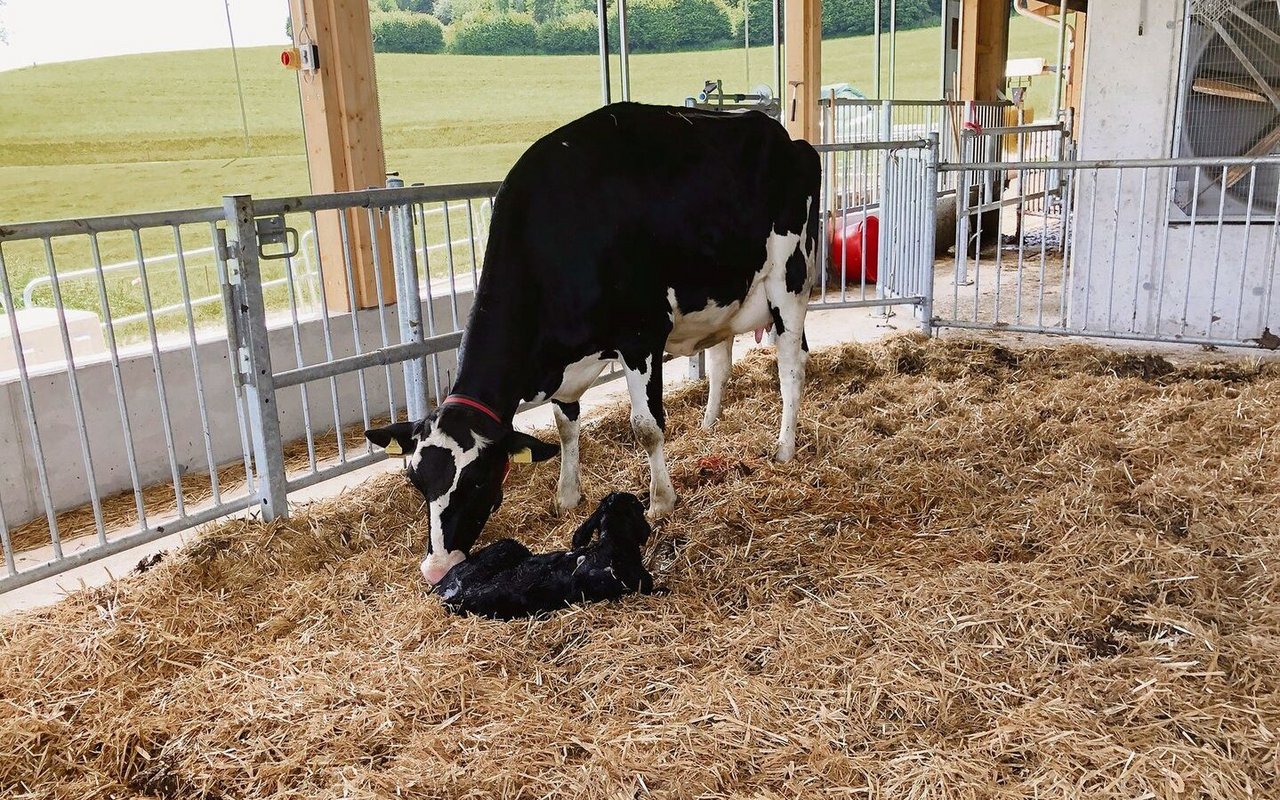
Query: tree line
(518, 27)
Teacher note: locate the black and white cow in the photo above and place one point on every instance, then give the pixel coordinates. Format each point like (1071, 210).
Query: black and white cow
(631, 231)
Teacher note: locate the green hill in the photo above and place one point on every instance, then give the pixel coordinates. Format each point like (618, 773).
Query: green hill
(163, 130)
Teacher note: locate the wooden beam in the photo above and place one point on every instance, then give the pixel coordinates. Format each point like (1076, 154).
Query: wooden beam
(984, 49)
(343, 130)
(803, 26)
(1073, 97)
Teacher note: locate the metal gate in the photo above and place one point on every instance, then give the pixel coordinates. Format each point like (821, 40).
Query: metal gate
(878, 215)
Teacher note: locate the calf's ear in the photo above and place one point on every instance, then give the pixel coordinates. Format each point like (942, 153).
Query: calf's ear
(396, 439)
(524, 449)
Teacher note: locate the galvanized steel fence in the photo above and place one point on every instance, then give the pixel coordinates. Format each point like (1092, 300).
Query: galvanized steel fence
(337, 312)
(1122, 260)
(221, 406)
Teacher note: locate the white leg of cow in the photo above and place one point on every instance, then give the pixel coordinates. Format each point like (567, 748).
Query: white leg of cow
(645, 388)
(719, 360)
(793, 354)
(569, 490)
(788, 308)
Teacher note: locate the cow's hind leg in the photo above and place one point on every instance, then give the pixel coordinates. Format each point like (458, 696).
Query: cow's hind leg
(788, 304)
(644, 383)
(569, 490)
(719, 360)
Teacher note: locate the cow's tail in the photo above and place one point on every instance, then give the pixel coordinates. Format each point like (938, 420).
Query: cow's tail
(808, 183)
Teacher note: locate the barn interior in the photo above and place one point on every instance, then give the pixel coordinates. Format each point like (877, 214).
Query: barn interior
(1027, 548)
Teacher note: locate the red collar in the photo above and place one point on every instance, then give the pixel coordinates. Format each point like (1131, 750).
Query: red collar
(463, 400)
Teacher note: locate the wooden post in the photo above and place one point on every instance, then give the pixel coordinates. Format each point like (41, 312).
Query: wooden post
(343, 130)
(1075, 78)
(803, 31)
(984, 49)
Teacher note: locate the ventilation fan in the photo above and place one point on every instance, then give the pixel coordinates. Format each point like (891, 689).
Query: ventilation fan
(1233, 106)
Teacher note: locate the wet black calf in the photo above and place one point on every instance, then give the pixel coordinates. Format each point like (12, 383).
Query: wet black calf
(505, 580)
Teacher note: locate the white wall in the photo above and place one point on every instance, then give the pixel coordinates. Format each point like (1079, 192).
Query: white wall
(20, 493)
(1133, 272)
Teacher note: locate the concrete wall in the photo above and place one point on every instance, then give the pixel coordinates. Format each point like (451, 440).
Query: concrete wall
(1133, 271)
(59, 431)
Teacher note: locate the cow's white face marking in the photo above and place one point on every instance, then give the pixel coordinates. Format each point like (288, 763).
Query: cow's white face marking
(439, 558)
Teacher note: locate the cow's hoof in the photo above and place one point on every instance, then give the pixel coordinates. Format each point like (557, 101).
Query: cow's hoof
(567, 502)
(708, 423)
(661, 508)
(785, 453)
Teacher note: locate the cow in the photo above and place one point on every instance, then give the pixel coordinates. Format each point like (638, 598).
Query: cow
(632, 231)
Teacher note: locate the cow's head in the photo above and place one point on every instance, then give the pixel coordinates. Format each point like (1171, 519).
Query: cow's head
(458, 457)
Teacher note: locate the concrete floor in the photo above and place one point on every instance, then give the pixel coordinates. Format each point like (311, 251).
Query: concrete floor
(823, 329)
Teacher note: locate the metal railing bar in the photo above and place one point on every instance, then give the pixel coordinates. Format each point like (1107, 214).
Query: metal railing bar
(121, 222)
(62, 564)
(382, 357)
(376, 198)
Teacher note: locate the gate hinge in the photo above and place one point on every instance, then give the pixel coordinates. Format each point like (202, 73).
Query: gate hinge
(229, 254)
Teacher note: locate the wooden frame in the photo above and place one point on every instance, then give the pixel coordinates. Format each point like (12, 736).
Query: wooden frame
(804, 68)
(343, 130)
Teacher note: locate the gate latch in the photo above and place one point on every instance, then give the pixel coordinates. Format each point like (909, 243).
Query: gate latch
(273, 231)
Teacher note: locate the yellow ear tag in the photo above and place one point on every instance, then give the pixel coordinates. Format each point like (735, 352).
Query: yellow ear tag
(524, 456)
(393, 448)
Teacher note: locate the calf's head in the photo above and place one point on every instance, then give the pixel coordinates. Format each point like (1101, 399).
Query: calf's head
(457, 460)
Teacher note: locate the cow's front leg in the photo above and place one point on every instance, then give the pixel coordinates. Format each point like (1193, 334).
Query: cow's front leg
(569, 490)
(719, 360)
(644, 383)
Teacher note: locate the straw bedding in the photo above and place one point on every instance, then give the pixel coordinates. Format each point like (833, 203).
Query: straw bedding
(990, 573)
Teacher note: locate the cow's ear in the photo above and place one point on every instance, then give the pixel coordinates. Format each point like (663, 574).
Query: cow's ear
(524, 449)
(396, 439)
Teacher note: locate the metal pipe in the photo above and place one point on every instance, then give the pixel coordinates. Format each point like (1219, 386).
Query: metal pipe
(28, 402)
(327, 333)
(893, 48)
(382, 357)
(1023, 10)
(777, 52)
(73, 384)
(624, 52)
(602, 15)
(259, 387)
(214, 488)
(166, 423)
(88, 556)
(876, 56)
(408, 303)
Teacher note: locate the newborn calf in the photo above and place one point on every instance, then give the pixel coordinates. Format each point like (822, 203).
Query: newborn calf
(505, 580)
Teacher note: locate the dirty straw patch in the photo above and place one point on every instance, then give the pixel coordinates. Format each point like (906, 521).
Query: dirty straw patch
(990, 573)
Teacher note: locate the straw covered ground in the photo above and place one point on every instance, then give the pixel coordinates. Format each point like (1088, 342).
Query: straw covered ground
(990, 573)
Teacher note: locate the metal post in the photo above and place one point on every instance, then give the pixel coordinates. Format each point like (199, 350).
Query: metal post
(962, 211)
(254, 354)
(602, 12)
(777, 53)
(1059, 83)
(884, 246)
(624, 51)
(876, 33)
(929, 234)
(408, 301)
(893, 48)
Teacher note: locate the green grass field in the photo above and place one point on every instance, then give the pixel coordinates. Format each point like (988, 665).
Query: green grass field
(160, 131)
